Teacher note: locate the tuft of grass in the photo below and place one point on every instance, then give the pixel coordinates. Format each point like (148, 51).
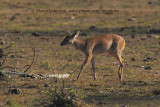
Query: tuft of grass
(60, 99)
(11, 103)
(46, 66)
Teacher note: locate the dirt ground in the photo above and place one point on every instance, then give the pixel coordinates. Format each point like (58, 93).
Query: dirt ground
(141, 72)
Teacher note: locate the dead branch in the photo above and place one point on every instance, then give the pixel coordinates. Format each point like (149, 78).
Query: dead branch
(32, 60)
(1, 50)
(7, 46)
(9, 67)
(3, 61)
(1, 53)
(32, 75)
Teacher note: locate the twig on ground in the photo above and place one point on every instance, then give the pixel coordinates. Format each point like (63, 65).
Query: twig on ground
(3, 61)
(1, 53)
(8, 46)
(32, 60)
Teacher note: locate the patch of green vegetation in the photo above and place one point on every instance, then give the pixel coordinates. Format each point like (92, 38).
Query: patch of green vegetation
(11, 103)
(60, 98)
(3, 7)
(83, 94)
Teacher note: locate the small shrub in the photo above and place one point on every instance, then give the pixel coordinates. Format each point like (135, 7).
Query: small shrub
(72, 95)
(60, 99)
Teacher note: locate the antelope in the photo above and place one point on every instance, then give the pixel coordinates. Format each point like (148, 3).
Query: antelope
(111, 44)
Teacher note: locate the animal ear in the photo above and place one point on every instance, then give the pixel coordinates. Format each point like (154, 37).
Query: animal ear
(69, 33)
(77, 33)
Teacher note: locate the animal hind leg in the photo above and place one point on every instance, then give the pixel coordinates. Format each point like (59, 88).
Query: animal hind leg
(120, 69)
(122, 65)
(93, 67)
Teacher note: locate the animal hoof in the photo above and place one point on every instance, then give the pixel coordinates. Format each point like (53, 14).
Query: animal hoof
(119, 77)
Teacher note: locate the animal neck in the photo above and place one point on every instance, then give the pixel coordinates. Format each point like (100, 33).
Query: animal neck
(79, 44)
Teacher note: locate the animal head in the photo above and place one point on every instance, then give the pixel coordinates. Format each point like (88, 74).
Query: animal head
(70, 38)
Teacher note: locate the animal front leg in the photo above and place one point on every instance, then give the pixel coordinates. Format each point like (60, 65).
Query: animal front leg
(88, 59)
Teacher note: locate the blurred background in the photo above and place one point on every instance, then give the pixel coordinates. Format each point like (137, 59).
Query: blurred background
(142, 16)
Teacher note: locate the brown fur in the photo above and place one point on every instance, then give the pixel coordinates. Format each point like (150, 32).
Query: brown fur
(100, 44)
(111, 44)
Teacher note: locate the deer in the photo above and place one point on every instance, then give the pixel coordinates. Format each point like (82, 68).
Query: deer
(109, 44)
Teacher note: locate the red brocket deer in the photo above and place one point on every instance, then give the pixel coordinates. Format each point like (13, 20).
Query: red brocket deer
(111, 44)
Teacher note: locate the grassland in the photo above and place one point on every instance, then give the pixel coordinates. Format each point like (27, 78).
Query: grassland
(137, 21)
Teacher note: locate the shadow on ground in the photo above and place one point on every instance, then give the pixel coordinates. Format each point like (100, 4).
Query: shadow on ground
(93, 30)
(113, 100)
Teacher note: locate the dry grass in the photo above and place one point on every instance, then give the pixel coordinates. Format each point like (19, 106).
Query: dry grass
(51, 58)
